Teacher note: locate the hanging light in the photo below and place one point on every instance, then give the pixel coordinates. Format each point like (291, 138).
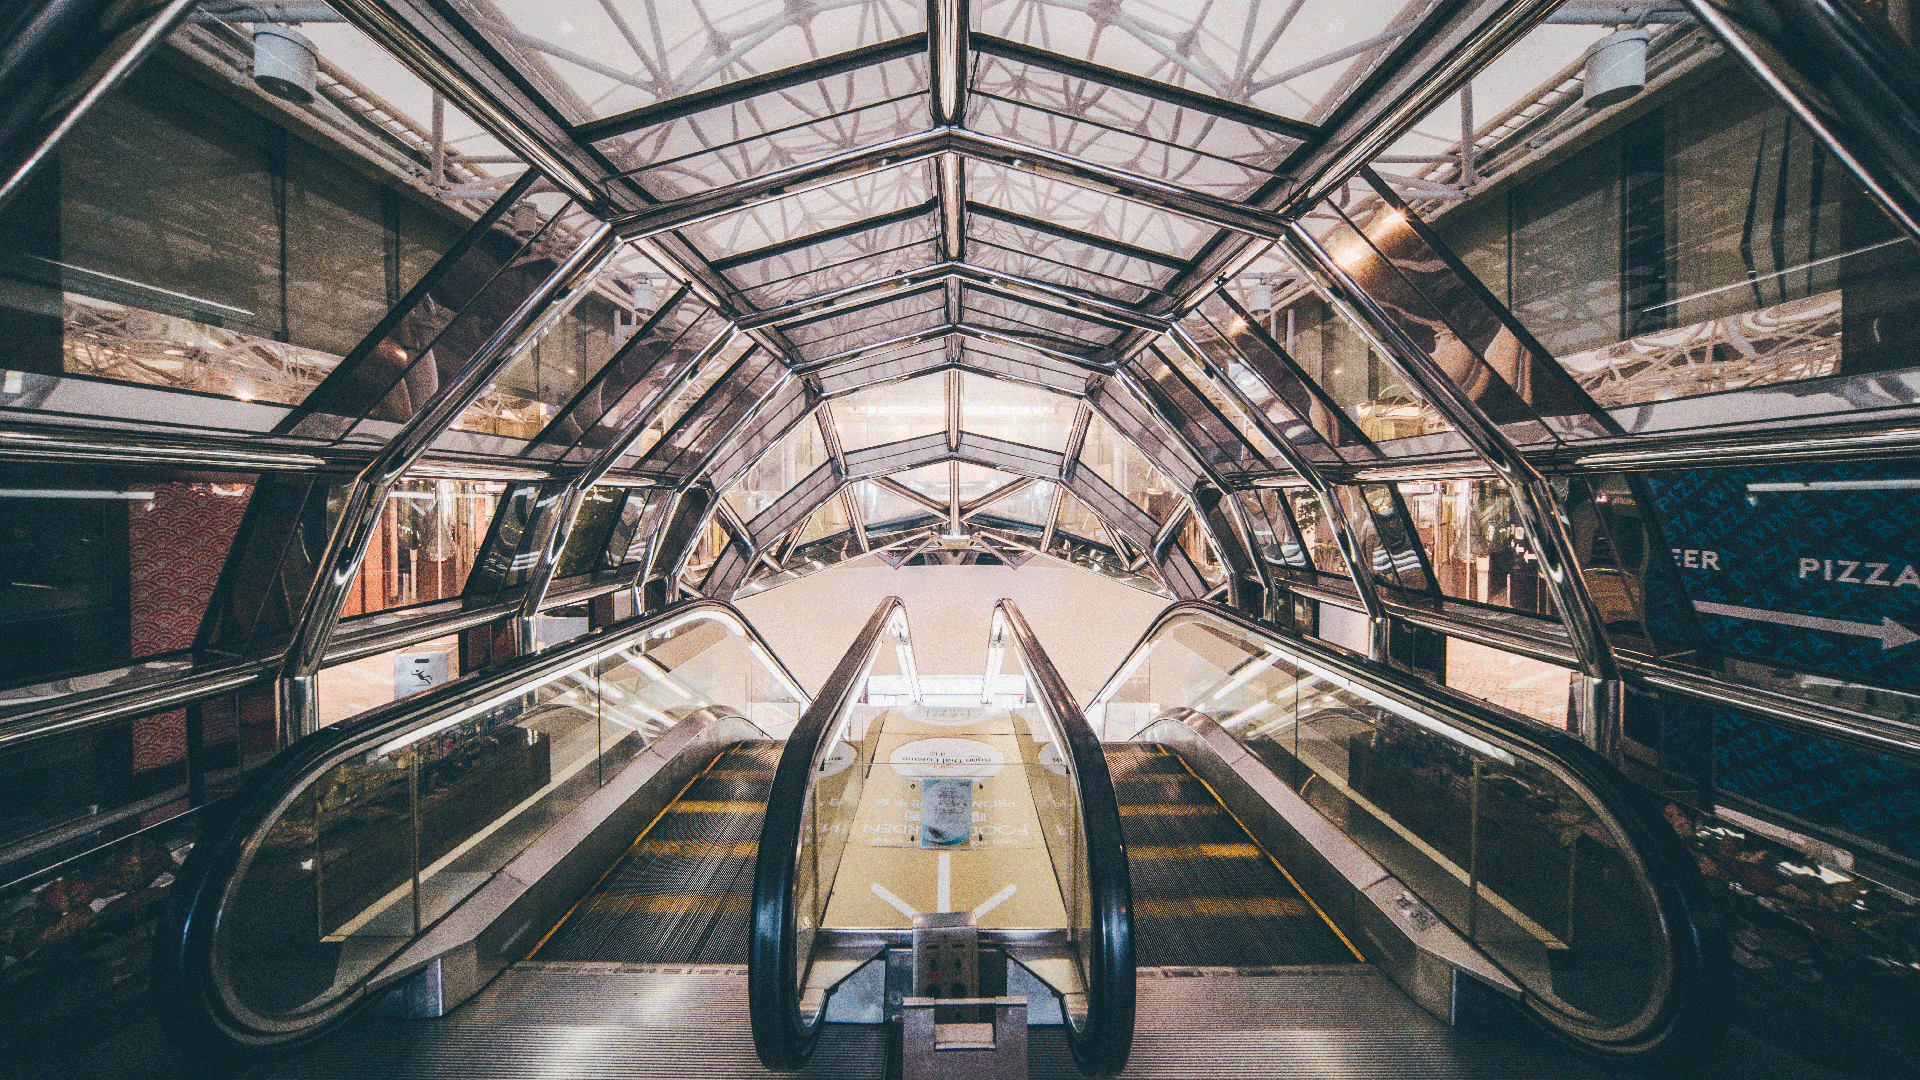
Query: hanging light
(642, 290)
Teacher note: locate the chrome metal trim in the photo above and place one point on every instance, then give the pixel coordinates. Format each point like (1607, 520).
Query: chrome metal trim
(75, 712)
(347, 546)
(1532, 498)
(949, 22)
(1465, 470)
(1904, 440)
(18, 445)
(450, 470)
(1818, 718)
(123, 53)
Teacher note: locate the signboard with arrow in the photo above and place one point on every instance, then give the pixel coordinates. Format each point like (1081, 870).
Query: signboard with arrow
(1811, 568)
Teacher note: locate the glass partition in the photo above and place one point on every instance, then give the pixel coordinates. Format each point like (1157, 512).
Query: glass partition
(408, 816)
(1505, 843)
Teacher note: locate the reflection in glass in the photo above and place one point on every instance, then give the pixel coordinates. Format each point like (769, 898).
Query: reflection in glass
(892, 412)
(1506, 848)
(1114, 459)
(424, 543)
(376, 847)
(1479, 550)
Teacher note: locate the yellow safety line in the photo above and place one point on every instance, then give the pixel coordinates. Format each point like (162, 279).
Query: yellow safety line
(1344, 940)
(636, 843)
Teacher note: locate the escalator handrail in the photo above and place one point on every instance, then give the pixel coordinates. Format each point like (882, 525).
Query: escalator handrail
(186, 984)
(1680, 897)
(782, 1036)
(1101, 1048)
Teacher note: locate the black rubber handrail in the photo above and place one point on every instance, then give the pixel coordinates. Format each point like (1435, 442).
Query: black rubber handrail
(782, 1035)
(1102, 1045)
(1691, 1015)
(186, 991)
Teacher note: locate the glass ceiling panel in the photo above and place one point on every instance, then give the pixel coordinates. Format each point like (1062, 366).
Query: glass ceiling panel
(1108, 455)
(800, 273)
(1030, 367)
(689, 394)
(646, 369)
(890, 413)
(801, 124)
(893, 364)
(1030, 505)
(898, 317)
(978, 480)
(1085, 210)
(933, 481)
(829, 520)
(880, 507)
(858, 198)
(1214, 143)
(544, 378)
(594, 59)
(1011, 247)
(1015, 412)
(1184, 361)
(1079, 521)
(1296, 58)
(1121, 150)
(1044, 327)
(796, 455)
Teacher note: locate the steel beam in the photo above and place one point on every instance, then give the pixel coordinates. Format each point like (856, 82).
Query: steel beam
(346, 548)
(1539, 511)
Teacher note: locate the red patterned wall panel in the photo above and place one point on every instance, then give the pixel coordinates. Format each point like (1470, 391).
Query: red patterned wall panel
(176, 546)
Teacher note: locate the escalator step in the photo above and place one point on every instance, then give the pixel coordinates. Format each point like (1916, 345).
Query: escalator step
(681, 894)
(1204, 892)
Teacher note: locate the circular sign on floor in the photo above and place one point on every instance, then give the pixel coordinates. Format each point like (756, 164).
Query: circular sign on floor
(1051, 760)
(945, 715)
(838, 759)
(928, 758)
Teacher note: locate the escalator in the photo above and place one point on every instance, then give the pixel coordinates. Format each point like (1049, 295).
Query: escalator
(1289, 804)
(1205, 893)
(678, 896)
(599, 860)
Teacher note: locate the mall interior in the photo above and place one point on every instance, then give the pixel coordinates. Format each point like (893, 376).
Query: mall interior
(935, 538)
